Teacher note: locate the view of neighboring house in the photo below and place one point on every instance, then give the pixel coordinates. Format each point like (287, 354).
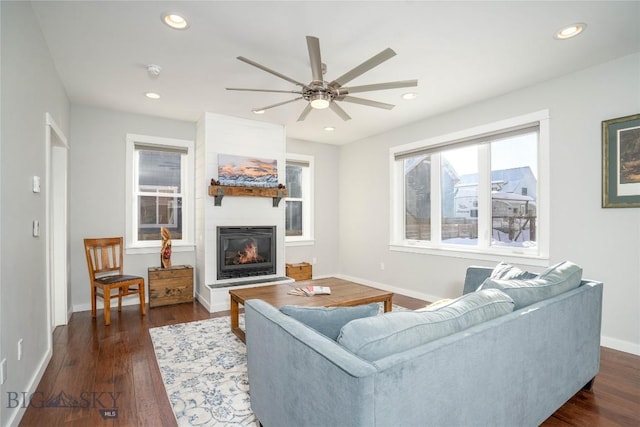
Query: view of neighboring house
(513, 198)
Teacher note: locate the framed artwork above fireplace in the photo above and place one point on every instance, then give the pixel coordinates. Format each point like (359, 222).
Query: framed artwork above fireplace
(245, 171)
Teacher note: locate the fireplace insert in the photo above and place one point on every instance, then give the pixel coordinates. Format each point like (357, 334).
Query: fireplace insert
(246, 251)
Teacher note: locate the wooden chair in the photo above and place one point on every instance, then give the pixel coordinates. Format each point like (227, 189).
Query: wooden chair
(104, 260)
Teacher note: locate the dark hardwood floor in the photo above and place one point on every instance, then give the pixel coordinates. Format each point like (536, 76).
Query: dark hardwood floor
(114, 367)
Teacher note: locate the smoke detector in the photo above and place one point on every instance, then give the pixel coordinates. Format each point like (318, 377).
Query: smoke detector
(153, 70)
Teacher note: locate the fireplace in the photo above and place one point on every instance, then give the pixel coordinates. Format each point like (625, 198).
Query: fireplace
(246, 252)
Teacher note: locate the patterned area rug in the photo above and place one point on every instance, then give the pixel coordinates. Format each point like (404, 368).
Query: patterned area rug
(204, 370)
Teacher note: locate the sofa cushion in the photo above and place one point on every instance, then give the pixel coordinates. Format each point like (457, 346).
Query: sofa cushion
(508, 271)
(435, 305)
(377, 337)
(555, 280)
(329, 320)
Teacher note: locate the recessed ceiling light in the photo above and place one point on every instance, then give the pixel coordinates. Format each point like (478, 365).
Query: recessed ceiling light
(175, 21)
(152, 95)
(410, 95)
(258, 111)
(570, 31)
(329, 128)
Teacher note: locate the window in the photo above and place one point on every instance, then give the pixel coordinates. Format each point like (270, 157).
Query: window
(159, 189)
(299, 201)
(483, 190)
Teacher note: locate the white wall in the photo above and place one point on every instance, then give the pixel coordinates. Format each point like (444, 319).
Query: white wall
(326, 195)
(97, 187)
(605, 242)
(30, 89)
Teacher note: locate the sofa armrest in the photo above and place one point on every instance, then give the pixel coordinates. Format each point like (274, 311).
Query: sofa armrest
(474, 278)
(298, 376)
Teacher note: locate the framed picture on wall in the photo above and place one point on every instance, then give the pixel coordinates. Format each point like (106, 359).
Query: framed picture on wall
(247, 171)
(621, 162)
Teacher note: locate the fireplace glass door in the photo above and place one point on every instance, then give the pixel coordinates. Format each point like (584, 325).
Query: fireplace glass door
(246, 251)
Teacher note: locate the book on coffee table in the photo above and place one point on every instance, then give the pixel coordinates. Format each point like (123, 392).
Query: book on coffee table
(317, 290)
(310, 291)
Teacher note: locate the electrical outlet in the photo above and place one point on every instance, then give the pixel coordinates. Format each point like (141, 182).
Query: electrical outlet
(314, 261)
(382, 266)
(20, 349)
(3, 371)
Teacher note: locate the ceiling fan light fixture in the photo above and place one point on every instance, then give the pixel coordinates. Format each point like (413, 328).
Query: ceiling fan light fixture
(409, 95)
(320, 101)
(175, 21)
(258, 111)
(152, 95)
(329, 128)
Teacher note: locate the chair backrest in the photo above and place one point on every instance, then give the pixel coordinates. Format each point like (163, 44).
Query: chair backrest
(104, 256)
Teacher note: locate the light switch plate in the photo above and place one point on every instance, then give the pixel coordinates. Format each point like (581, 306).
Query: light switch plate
(36, 184)
(3, 371)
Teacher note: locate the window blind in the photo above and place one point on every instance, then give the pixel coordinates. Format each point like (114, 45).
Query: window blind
(161, 148)
(474, 140)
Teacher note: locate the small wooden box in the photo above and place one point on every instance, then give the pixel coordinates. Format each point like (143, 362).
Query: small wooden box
(300, 271)
(173, 285)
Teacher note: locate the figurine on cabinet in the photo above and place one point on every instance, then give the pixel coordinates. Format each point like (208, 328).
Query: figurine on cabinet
(165, 252)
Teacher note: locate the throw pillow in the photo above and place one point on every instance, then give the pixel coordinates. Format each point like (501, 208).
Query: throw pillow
(555, 280)
(329, 320)
(377, 337)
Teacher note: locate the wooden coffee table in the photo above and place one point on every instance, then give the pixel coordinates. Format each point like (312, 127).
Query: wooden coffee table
(343, 294)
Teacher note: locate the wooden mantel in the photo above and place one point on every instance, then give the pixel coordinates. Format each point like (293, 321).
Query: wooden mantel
(220, 191)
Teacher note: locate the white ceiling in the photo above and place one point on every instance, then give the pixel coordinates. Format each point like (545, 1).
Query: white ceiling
(460, 52)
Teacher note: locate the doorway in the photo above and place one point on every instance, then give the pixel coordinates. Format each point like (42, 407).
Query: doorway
(57, 230)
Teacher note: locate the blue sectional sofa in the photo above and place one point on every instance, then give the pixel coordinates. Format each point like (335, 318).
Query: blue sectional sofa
(516, 369)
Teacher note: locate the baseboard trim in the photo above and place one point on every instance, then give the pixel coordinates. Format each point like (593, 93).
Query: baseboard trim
(620, 345)
(16, 416)
(128, 300)
(204, 301)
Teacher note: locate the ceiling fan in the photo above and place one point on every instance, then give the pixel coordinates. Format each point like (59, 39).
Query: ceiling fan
(321, 94)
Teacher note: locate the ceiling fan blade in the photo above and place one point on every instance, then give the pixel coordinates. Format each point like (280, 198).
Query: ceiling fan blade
(278, 104)
(265, 90)
(305, 112)
(379, 86)
(313, 44)
(367, 102)
(339, 111)
(363, 68)
(269, 70)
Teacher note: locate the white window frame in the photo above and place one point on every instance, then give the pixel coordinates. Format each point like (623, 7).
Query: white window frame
(307, 184)
(538, 256)
(133, 245)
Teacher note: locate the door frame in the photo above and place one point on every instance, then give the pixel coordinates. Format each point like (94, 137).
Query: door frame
(57, 224)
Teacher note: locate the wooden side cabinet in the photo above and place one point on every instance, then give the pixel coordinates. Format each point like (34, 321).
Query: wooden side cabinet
(173, 285)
